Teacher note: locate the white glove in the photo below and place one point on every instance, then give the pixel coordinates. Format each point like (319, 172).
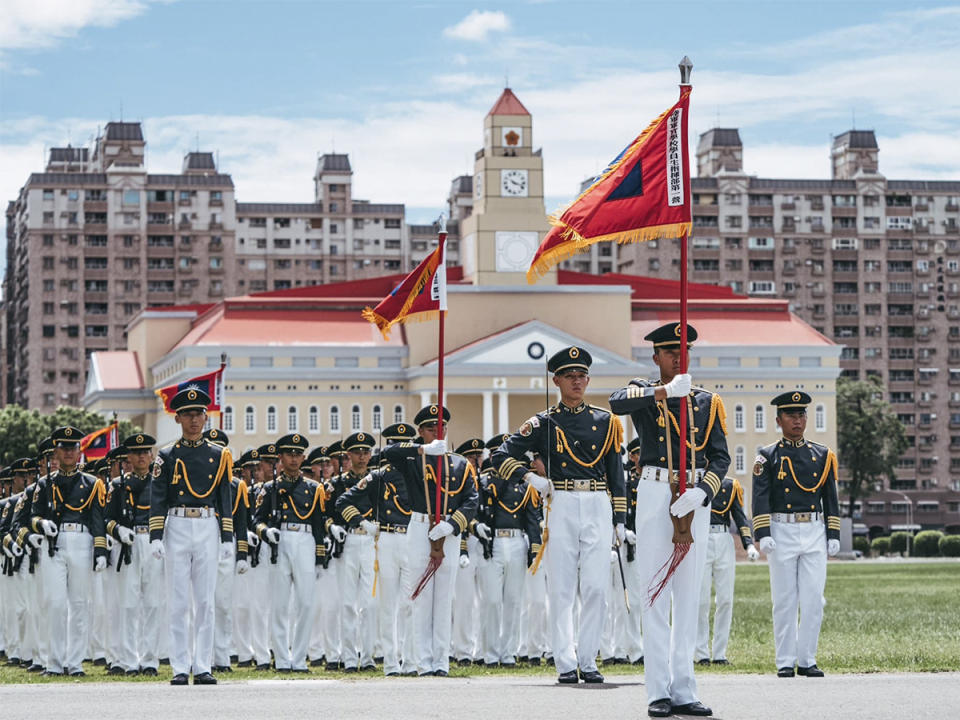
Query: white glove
(369, 527)
(126, 535)
(688, 502)
(621, 532)
(110, 543)
(8, 552)
(156, 547)
(540, 483)
(613, 557)
(482, 530)
(631, 537)
(441, 529)
(679, 386)
(272, 535)
(242, 566)
(35, 540)
(99, 564)
(252, 539)
(327, 545)
(338, 533)
(49, 529)
(437, 447)
(833, 547)
(464, 561)
(767, 545)
(226, 550)
(752, 552)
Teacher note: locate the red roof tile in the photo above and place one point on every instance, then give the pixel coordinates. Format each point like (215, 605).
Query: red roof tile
(508, 104)
(117, 370)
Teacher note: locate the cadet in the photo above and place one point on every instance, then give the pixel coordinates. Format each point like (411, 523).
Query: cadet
(633, 633)
(581, 447)
(243, 606)
(228, 566)
(141, 586)
(468, 592)
(355, 569)
(190, 490)
(325, 644)
(720, 570)
(68, 508)
(796, 520)
(654, 409)
(15, 605)
(433, 606)
(514, 530)
(290, 517)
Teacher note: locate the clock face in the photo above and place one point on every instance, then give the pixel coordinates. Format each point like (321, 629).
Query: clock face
(513, 183)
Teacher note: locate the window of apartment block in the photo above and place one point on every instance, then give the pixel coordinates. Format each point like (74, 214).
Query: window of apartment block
(733, 221)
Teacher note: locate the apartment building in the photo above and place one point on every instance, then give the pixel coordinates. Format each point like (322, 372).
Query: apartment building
(873, 264)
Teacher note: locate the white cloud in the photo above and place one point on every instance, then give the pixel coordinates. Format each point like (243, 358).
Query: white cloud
(476, 26)
(41, 23)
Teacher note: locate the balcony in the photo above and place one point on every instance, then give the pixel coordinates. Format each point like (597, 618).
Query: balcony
(788, 205)
(839, 211)
(921, 207)
(951, 230)
(95, 206)
(789, 249)
(216, 226)
(184, 225)
(952, 207)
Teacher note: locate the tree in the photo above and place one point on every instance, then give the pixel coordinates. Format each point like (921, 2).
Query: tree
(22, 430)
(870, 438)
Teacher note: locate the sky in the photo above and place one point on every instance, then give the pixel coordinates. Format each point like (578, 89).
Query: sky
(403, 87)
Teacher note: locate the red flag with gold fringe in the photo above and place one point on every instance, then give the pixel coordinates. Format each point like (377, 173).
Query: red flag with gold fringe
(644, 194)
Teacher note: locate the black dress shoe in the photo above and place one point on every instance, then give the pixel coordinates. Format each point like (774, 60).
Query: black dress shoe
(301, 670)
(812, 671)
(660, 708)
(369, 666)
(245, 664)
(440, 673)
(464, 662)
(132, 673)
(78, 673)
(317, 663)
(284, 671)
(263, 667)
(508, 665)
(226, 669)
(51, 673)
(694, 708)
(164, 661)
(569, 678)
(378, 660)
(349, 669)
(534, 662)
(12, 662)
(393, 674)
(638, 661)
(591, 676)
(721, 661)
(148, 671)
(204, 679)
(115, 670)
(785, 672)
(99, 662)
(35, 668)
(234, 658)
(703, 661)
(180, 679)
(550, 661)
(479, 663)
(332, 666)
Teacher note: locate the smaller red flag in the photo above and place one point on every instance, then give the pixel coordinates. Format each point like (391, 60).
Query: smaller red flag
(211, 384)
(421, 295)
(98, 443)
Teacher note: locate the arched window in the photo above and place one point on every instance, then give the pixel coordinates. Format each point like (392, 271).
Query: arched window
(293, 419)
(398, 413)
(334, 419)
(313, 419)
(271, 419)
(740, 460)
(228, 419)
(739, 421)
(820, 418)
(208, 424)
(249, 420)
(356, 419)
(759, 419)
(377, 418)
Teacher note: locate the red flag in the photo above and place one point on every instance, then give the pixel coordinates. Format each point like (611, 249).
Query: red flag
(421, 295)
(211, 384)
(644, 194)
(98, 443)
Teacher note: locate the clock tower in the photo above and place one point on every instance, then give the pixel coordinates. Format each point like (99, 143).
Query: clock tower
(508, 221)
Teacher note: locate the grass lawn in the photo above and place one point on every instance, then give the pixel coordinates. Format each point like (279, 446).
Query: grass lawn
(880, 617)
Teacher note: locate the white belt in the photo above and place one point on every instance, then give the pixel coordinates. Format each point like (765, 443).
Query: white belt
(719, 529)
(190, 512)
(509, 532)
(357, 531)
(660, 474)
(420, 517)
(73, 527)
(296, 527)
(800, 517)
(141, 529)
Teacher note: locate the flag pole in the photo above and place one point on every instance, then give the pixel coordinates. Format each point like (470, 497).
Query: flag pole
(685, 69)
(442, 239)
(223, 364)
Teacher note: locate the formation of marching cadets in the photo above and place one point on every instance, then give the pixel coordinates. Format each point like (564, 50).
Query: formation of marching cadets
(524, 548)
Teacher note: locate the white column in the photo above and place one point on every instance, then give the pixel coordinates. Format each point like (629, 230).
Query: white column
(503, 410)
(425, 398)
(487, 414)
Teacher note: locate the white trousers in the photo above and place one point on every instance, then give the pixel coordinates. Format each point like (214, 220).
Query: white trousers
(243, 616)
(534, 615)
(621, 629)
(798, 575)
(358, 616)
(467, 644)
(138, 607)
(433, 608)
(668, 647)
(192, 549)
(578, 556)
(328, 609)
(503, 581)
(36, 637)
(223, 610)
(69, 601)
(394, 607)
(292, 578)
(260, 599)
(719, 571)
(632, 641)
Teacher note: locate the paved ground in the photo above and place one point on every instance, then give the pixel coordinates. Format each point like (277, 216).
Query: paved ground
(734, 697)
